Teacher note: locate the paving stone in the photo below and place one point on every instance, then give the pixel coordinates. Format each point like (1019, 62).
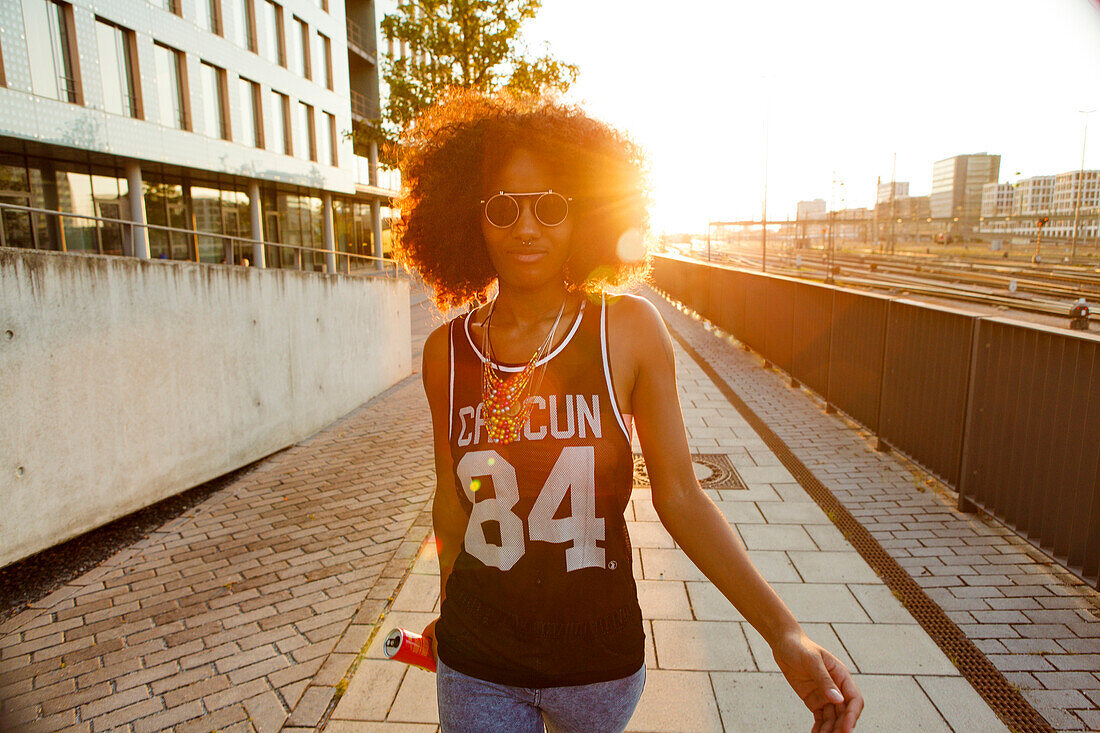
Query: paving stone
(649, 534)
(957, 701)
(832, 567)
(776, 537)
(825, 602)
(702, 645)
(881, 604)
(416, 700)
(665, 599)
(787, 512)
(676, 702)
(896, 703)
(708, 604)
(822, 634)
(350, 726)
(893, 649)
(758, 701)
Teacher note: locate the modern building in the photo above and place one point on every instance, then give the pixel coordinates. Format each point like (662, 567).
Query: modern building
(957, 185)
(1033, 196)
(223, 118)
(810, 209)
(892, 191)
(997, 199)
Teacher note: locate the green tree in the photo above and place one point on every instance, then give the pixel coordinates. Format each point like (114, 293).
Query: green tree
(439, 44)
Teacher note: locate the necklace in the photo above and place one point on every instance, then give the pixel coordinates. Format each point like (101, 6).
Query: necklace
(506, 404)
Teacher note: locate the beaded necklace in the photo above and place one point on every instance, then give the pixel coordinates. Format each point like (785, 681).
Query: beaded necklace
(506, 407)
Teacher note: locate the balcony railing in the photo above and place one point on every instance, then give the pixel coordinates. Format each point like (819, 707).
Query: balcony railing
(363, 107)
(33, 225)
(361, 39)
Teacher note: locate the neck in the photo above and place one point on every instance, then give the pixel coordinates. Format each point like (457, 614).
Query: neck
(527, 307)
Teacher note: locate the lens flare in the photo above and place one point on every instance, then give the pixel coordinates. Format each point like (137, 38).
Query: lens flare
(631, 246)
(475, 485)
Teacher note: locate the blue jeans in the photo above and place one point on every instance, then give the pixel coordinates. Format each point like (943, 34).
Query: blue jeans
(470, 705)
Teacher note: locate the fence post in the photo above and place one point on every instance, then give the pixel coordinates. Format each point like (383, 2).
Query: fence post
(965, 504)
(880, 444)
(830, 408)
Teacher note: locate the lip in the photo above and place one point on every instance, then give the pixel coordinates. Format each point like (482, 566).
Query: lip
(527, 254)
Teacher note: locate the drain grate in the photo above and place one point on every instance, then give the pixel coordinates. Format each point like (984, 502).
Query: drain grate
(713, 470)
(1004, 699)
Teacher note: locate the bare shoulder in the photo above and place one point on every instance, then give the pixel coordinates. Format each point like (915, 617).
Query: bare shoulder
(436, 360)
(635, 324)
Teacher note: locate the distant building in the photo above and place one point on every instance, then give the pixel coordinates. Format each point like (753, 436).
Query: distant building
(1076, 189)
(997, 199)
(810, 209)
(900, 191)
(957, 185)
(1033, 196)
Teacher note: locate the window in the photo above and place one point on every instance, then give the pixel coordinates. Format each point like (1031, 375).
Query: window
(171, 87)
(272, 44)
(325, 53)
(54, 71)
(252, 123)
(172, 6)
(305, 127)
(244, 21)
(215, 106)
(283, 142)
(121, 93)
(328, 146)
(323, 5)
(208, 14)
(299, 48)
(3, 81)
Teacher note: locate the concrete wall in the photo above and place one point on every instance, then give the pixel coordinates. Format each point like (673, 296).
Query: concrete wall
(124, 381)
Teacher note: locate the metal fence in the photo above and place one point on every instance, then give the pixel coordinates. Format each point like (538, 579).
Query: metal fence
(37, 225)
(1007, 413)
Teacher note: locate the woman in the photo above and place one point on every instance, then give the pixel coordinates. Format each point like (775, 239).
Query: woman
(533, 397)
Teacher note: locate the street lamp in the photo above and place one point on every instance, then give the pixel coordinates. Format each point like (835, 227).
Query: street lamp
(1080, 185)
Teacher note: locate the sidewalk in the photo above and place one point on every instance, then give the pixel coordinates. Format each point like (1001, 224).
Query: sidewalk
(251, 611)
(708, 670)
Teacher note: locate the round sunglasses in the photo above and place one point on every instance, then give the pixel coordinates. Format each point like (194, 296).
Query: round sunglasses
(502, 209)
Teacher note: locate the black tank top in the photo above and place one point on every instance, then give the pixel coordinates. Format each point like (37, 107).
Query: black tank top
(542, 593)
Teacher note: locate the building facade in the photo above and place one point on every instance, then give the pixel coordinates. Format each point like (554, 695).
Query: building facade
(220, 123)
(892, 191)
(957, 185)
(1070, 203)
(810, 209)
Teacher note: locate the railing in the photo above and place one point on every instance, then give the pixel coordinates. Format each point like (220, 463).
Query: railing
(235, 250)
(1005, 412)
(360, 107)
(358, 37)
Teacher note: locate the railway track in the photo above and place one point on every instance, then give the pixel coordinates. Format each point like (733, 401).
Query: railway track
(1044, 289)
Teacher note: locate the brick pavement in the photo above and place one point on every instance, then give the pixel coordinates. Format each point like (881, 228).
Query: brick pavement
(244, 612)
(1035, 621)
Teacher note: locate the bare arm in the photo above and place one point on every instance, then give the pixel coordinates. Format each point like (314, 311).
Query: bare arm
(700, 529)
(448, 518)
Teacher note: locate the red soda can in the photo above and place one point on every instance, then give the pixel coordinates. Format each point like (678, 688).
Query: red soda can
(410, 648)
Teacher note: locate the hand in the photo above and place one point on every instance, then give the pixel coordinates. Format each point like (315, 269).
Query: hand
(822, 681)
(429, 632)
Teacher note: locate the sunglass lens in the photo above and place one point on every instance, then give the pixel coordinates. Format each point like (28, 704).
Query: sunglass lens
(551, 209)
(501, 211)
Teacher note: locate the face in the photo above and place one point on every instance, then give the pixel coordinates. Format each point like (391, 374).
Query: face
(528, 253)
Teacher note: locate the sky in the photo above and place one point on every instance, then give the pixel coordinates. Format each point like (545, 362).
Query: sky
(827, 93)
